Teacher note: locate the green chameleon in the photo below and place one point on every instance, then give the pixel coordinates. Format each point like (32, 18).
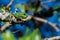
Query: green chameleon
(20, 15)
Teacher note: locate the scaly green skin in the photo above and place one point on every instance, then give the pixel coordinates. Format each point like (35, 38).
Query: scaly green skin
(20, 15)
(21, 7)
